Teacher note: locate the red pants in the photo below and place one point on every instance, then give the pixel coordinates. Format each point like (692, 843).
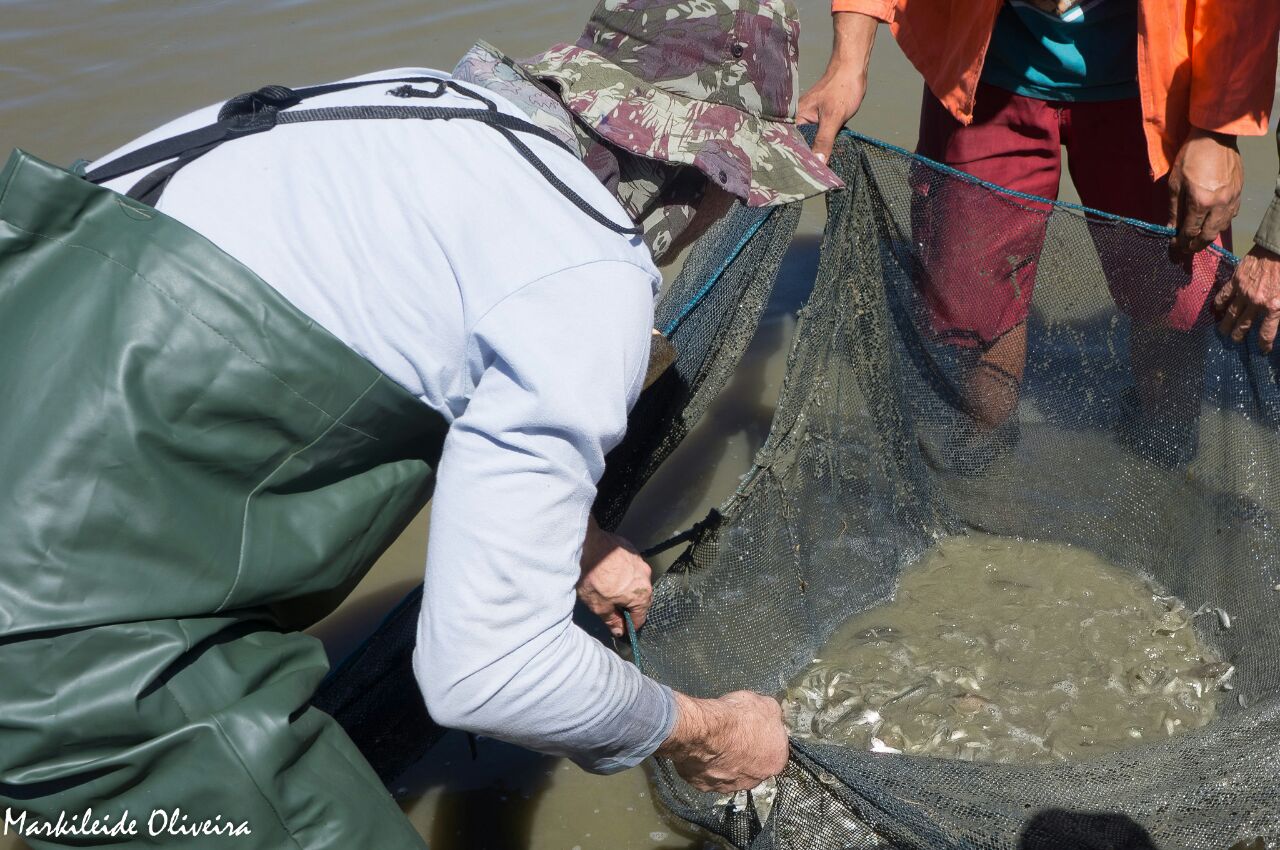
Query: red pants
(980, 249)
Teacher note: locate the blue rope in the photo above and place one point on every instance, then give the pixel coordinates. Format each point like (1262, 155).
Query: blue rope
(1013, 193)
(1161, 230)
(635, 640)
(715, 277)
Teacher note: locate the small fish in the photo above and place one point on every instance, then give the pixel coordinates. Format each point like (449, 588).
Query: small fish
(835, 681)
(1213, 670)
(908, 692)
(878, 746)
(970, 703)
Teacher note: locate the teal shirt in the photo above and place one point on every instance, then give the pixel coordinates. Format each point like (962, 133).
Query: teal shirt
(1090, 54)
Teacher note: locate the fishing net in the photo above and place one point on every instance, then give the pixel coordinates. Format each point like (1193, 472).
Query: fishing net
(709, 313)
(973, 359)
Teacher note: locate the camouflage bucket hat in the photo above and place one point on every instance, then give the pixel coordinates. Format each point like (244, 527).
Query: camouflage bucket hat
(706, 83)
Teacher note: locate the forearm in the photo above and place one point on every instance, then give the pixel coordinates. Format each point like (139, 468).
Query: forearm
(836, 97)
(854, 38)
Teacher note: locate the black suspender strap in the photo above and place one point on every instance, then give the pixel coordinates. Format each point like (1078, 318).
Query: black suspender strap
(350, 113)
(243, 115)
(261, 110)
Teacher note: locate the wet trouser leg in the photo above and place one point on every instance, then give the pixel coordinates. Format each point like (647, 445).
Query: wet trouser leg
(1169, 314)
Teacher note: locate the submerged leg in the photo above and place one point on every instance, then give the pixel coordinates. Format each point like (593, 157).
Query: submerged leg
(1165, 300)
(994, 381)
(978, 247)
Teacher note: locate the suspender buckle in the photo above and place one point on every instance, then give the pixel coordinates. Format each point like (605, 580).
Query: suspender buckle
(255, 111)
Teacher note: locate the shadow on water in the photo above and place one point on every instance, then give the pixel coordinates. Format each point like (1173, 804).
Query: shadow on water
(349, 626)
(1059, 829)
(500, 797)
(486, 792)
(487, 803)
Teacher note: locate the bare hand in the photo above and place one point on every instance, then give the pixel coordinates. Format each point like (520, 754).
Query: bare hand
(835, 98)
(1204, 189)
(1252, 294)
(727, 744)
(614, 579)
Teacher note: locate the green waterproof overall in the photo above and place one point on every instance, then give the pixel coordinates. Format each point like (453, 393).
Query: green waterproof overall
(180, 449)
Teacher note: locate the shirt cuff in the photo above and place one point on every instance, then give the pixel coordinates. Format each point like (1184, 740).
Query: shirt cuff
(881, 10)
(657, 701)
(1269, 231)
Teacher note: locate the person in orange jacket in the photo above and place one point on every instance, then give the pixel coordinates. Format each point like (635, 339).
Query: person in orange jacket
(1147, 98)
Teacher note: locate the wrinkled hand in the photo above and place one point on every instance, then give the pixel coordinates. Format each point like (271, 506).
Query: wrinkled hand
(835, 98)
(614, 579)
(1204, 189)
(727, 744)
(1252, 294)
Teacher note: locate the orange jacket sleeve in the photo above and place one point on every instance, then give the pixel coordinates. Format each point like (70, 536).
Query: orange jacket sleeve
(881, 10)
(1233, 64)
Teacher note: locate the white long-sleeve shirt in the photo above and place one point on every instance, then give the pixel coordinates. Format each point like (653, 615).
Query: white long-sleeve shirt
(435, 251)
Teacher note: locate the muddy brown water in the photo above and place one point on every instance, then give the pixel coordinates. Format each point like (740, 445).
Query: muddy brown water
(1016, 651)
(77, 80)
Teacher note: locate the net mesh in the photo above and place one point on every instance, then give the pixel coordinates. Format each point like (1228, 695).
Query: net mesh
(709, 313)
(975, 359)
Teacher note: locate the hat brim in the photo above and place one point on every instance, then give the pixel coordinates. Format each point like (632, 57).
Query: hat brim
(763, 162)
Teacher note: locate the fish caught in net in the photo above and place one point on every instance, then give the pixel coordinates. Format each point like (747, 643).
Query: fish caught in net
(1010, 651)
